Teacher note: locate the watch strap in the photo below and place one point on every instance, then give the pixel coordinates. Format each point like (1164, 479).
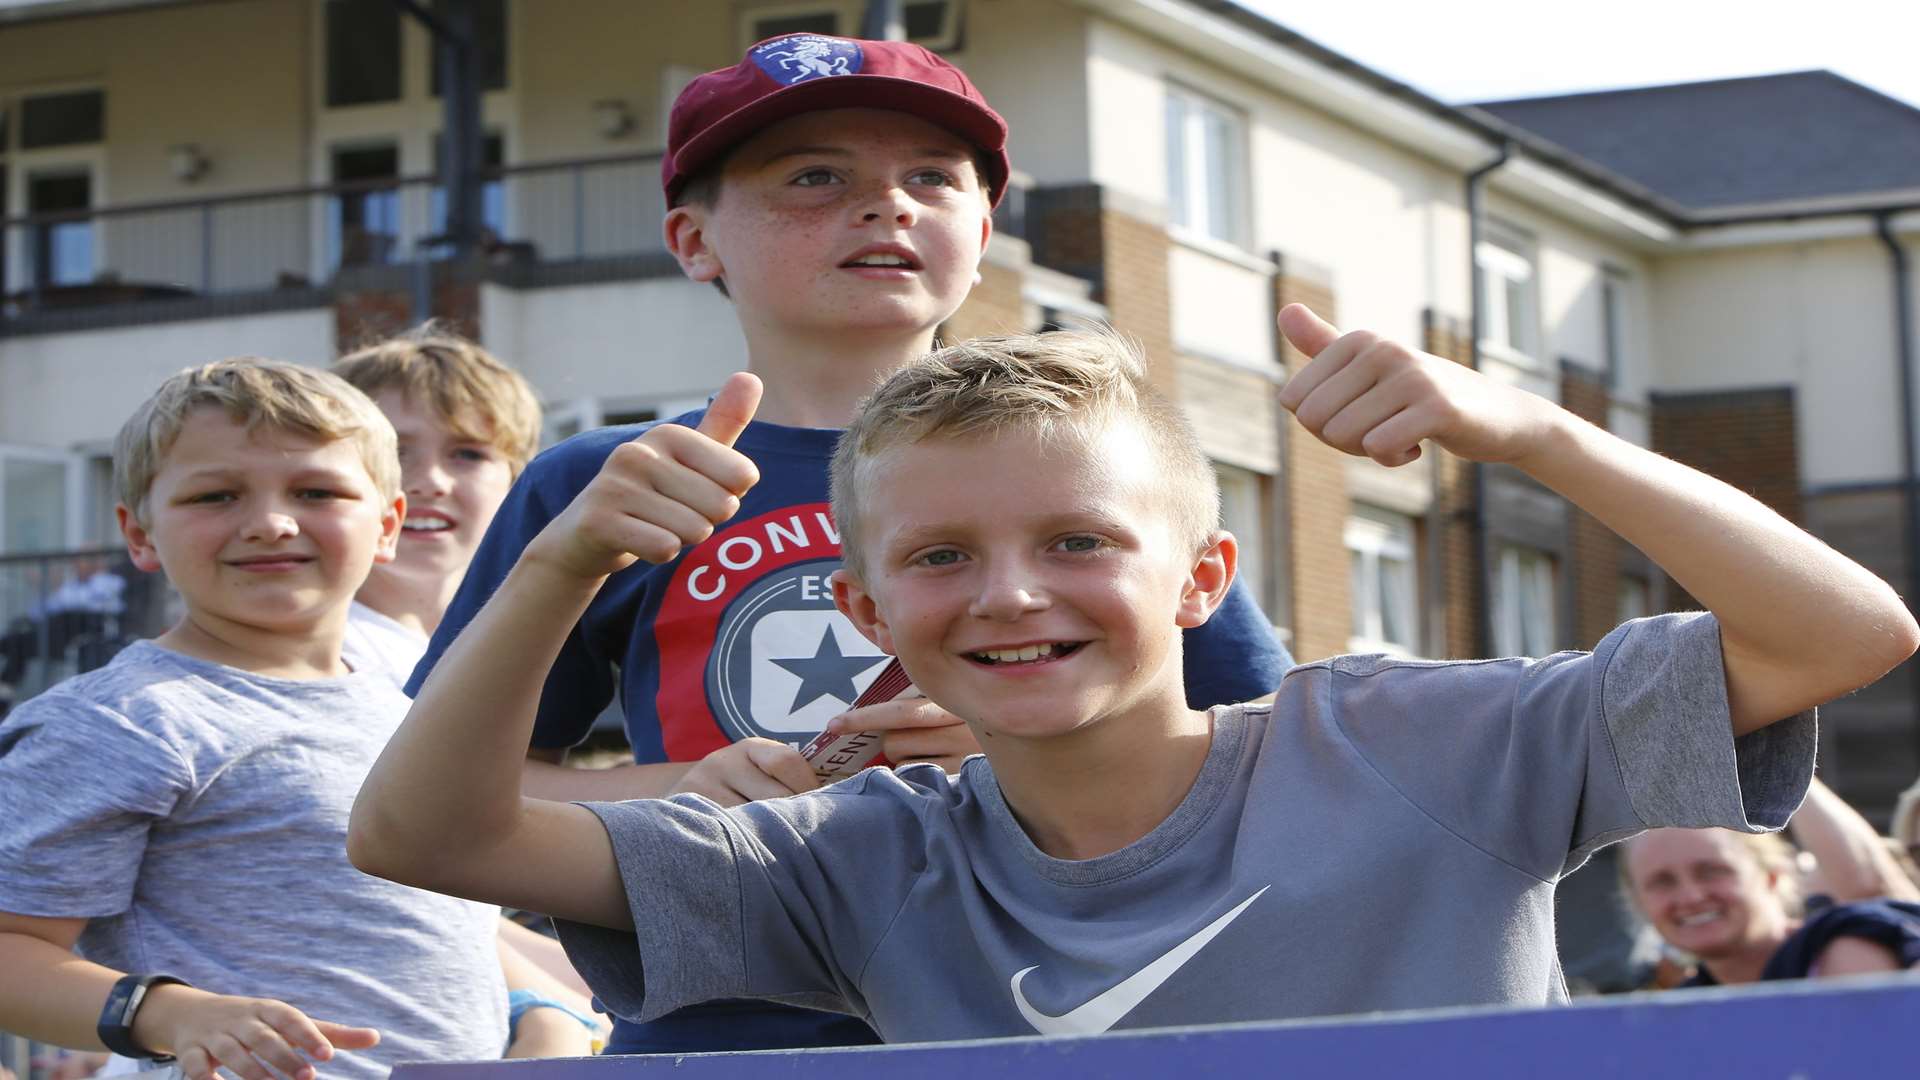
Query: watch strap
(116, 1017)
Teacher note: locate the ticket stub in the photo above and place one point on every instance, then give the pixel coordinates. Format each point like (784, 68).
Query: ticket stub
(838, 755)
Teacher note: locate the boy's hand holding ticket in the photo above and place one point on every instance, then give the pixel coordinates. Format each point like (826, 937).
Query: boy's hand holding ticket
(1376, 398)
(662, 491)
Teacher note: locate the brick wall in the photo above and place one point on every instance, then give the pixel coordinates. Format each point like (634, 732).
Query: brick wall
(1594, 551)
(1123, 252)
(1313, 488)
(377, 302)
(993, 307)
(1459, 591)
(1747, 438)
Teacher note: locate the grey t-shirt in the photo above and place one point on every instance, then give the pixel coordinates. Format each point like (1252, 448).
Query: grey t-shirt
(196, 816)
(1386, 836)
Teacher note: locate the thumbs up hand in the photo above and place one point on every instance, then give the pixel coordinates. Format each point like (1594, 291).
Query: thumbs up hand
(1376, 398)
(662, 491)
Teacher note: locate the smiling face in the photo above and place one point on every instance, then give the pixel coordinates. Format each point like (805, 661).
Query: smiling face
(453, 484)
(267, 530)
(841, 220)
(1706, 893)
(1031, 587)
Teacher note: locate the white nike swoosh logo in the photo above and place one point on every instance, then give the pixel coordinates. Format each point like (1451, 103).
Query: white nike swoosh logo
(1105, 1010)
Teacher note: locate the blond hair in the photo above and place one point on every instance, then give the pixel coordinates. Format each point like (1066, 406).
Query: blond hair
(256, 393)
(476, 396)
(1769, 852)
(1060, 385)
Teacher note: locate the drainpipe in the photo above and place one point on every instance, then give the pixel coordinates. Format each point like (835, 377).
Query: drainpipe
(1482, 547)
(1903, 355)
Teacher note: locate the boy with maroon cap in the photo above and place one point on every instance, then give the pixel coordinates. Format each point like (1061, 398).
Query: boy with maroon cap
(840, 192)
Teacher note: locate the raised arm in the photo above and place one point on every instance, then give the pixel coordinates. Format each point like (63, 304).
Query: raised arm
(443, 808)
(1800, 624)
(1853, 860)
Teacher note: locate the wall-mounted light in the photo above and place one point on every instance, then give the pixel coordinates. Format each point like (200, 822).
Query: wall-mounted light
(187, 162)
(612, 118)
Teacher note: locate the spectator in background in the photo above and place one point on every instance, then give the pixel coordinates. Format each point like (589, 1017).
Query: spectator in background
(1843, 859)
(1732, 900)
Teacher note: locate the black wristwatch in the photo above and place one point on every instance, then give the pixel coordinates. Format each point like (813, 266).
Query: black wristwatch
(116, 1019)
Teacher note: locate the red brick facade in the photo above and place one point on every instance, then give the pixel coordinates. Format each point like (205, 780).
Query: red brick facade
(1748, 438)
(1313, 486)
(1594, 551)
(378, 302)
(1459, 591)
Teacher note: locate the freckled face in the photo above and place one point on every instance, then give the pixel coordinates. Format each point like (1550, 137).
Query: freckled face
(848, 220)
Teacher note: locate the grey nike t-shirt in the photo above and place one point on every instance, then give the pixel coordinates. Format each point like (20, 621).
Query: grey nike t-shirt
(1386, 835)
(196, 816)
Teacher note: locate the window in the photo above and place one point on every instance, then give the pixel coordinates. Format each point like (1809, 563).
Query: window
(73, 119)
(1525, 622)
(1635, 600)
(61, 251)
(933, 24)
(363, 52)
(365, 221)
(1205, 171)
(1508, 308)
(1613, 316)
(490, 36)
(1243, 513)
(785, 21)
(1380, 559)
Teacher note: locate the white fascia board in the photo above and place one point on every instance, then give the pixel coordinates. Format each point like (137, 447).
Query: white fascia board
(1269, 63)
(27, 10)
(1184, 26)
(1555, 191)
(1763, 233)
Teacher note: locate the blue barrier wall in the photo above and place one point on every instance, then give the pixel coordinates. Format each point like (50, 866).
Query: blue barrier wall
(1845, 1028)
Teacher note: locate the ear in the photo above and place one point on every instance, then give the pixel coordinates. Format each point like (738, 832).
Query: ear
(390, 519)
(859, 606)
(685, 232)
(1207, 582)
(140, 547)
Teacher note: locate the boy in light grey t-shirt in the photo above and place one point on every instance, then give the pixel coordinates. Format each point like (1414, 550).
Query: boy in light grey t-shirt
(1028, 527)
(178, 818)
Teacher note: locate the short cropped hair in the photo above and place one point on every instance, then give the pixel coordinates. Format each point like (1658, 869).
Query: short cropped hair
(475, 395)
(256, 393)
(1063, 385)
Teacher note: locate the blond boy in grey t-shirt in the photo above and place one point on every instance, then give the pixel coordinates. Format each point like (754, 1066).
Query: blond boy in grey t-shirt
(1028, 527)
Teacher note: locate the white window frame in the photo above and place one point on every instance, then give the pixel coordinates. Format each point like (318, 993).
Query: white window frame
(1633, 599)
(1615, 299)
(74, 531)
(1379, 542)
(948, 37)
(21, 165)
(1525, 600)
(750, 16)
(1507, 258)
(1191, 193)
(1242, 514)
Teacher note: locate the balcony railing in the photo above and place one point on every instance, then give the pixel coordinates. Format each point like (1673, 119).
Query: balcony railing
(293, 244)
(298, 240)
(68, 612)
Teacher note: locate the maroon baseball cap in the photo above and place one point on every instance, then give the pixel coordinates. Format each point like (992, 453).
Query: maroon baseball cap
(800, 73)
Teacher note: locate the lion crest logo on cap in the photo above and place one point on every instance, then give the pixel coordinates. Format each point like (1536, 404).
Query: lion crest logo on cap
(799, 57)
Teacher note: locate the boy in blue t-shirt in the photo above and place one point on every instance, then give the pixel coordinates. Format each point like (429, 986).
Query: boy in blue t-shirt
(840, 192)
(1029, 529)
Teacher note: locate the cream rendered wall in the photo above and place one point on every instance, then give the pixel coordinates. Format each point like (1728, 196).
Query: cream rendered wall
(1816, 316)
(76, 389)
(657, 339)
(232, 78)
(1380, 218)
(1030, 60)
